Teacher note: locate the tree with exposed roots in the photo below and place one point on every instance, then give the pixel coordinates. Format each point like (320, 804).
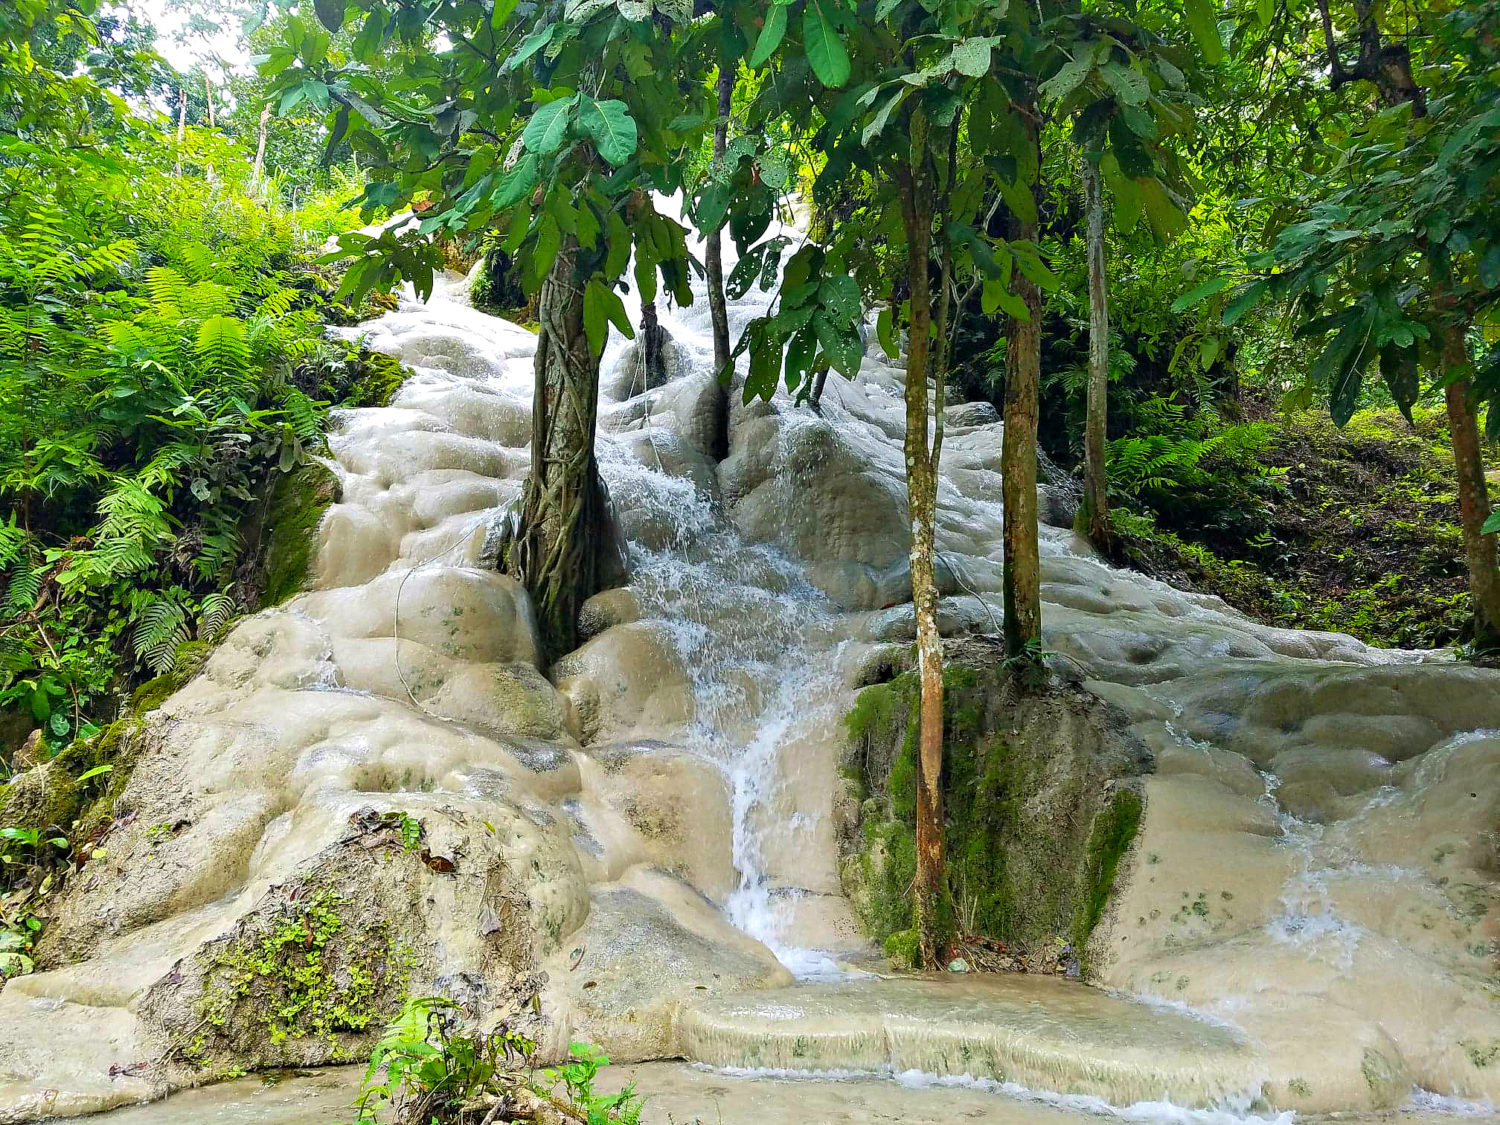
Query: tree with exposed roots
(553, 125)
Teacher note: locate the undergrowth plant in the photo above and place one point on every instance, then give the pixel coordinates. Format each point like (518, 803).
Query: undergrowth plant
(164, 389)
(162, 363)
(431, 1069)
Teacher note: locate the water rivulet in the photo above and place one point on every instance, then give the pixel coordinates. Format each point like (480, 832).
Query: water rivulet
(379, 770)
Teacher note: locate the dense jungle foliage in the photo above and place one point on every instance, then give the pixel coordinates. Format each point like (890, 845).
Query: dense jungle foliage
(165, 383)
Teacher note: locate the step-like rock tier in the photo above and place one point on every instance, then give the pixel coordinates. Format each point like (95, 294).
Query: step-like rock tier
(1036, 1032)
(650, 821)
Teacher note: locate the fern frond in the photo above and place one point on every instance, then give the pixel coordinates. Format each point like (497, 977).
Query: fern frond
(160, 627)
(222, 346)
(167, 288)
(215, 612)
(277, 303)
(202, 264)
(302, 414)
(206, 299)
(218, 554)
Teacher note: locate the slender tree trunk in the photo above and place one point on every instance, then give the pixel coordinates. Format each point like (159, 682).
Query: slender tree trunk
(208, 96)
(562, 548)
(181, 127)
(713, 253)
(930, 906)
(260, 145)
(653, 349)
(1023, 368)
(1093, 516)
(1473, 496)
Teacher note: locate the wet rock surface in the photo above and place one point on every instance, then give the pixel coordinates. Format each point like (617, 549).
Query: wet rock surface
(1038, 1032)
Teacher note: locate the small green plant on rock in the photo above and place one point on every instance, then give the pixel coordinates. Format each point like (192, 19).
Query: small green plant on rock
(310, 974)
(429, 1069)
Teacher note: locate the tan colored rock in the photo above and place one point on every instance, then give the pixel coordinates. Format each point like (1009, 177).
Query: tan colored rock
(627, 682)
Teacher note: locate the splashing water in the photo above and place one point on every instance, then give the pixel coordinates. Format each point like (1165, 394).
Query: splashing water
(757, 638)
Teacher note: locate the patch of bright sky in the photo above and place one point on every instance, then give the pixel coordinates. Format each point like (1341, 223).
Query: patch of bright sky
(185, 48)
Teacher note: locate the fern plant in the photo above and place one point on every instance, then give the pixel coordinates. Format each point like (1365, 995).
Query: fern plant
(153, 337)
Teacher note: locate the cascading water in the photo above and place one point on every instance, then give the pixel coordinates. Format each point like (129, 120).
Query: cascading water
(759, 640)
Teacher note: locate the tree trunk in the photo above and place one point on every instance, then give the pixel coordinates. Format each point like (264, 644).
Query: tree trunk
(260, 146)
(713, 253)
(1093, 516)
(930, 898)
(181, 127)
(1473, 497)
(653, 348)
(1023, 368)
(562, 547)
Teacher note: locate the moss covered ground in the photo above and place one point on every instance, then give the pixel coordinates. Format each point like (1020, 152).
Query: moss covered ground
(1354, 530)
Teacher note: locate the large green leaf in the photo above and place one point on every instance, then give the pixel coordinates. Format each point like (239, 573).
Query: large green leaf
(601, 306)
(840, 340)
(610, 125)
(1166, 217)
(1244, 301)
(972, 56)
(745, 271)
(997, 296)
(548, 126)
(840, 295)
(1340, 366)
(825, 51)
(501, 12)
(330, 13)
(713, 205)
(1069, 78)
(1204, 291)
(799, 356)
(518, 182)
(770, 36)
(1129, 85)
(1203, 21)
(1398, 367)
(617, 235)
(885, 332)
(877, 123)
(531, 45)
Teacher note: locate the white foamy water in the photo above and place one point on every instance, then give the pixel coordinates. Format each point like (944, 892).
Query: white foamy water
(757, 637)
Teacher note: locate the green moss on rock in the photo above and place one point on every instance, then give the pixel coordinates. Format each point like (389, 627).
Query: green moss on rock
(1114, 831)
(85, 775)
(1040, 801)
(305, 972)
(294, 512)
(378, 378)
(154, 692)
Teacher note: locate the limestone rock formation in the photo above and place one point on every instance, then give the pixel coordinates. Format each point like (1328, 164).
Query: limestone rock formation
(1042, 794)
